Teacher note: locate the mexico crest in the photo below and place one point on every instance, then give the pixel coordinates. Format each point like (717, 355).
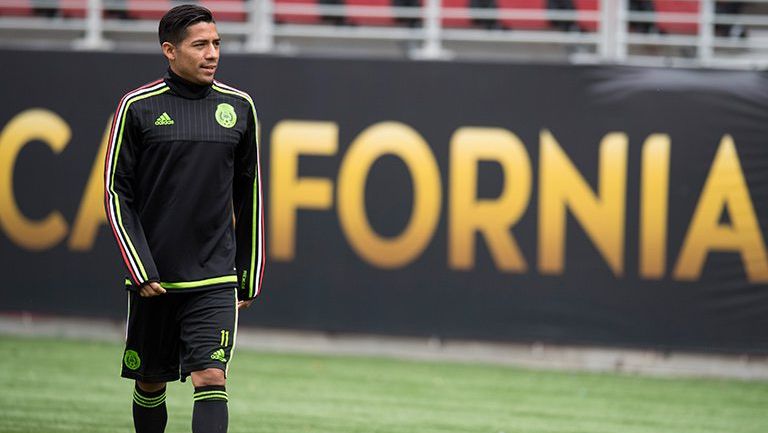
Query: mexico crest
(131, 359)
(225, 115)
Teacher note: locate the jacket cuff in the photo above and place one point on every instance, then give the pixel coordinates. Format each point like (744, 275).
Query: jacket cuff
(242, 295)
(138, 284)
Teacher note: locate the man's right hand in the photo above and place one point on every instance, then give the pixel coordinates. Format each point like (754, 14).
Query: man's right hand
(151, 289)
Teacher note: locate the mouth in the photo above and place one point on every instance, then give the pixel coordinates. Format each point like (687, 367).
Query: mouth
(209, 68)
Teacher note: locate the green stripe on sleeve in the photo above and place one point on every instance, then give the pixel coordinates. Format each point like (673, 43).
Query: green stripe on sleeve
(114, 166)
(257, 203)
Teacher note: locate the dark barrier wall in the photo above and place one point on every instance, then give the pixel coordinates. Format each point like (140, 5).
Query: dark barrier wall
(586, 205)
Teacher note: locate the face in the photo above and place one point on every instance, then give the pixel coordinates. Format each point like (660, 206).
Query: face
(195, 58)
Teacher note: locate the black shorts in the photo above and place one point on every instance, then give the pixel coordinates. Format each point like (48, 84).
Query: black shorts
(171, 335)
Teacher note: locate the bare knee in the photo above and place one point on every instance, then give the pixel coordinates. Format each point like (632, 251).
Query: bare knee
(150, 387)
(208, 377)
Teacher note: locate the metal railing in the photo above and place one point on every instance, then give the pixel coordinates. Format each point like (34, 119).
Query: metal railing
(680, 32)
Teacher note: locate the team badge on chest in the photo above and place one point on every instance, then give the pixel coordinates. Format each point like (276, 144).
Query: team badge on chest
(225, 115)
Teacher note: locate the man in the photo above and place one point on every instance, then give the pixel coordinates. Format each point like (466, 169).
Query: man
(183, 198)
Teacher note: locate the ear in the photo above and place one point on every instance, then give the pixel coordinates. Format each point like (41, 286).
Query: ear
(169, 51)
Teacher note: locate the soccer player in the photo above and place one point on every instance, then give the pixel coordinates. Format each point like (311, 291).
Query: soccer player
(183, 198)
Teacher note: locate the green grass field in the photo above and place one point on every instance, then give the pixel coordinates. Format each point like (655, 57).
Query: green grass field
(66, 386)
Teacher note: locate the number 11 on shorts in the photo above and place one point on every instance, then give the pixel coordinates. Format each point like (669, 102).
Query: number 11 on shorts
(224, 338)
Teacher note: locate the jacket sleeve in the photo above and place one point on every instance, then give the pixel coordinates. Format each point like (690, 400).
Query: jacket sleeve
(119, 194)
(249, 214)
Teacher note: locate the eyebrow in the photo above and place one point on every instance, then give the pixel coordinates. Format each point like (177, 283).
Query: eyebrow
(205, 40)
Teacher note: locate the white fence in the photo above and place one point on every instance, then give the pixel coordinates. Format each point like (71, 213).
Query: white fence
(694, 33)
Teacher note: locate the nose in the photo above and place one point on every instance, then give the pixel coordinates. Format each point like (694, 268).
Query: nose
(212, 53)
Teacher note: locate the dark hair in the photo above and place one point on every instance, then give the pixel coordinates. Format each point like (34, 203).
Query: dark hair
(173, 25)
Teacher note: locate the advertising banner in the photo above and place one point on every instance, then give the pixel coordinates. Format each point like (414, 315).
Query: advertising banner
(597, 205)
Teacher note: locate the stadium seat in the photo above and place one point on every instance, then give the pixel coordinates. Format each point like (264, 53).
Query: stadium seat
(79, 9)
(223, 9)
(678, 7)
(298, 18)
(540, 23)
(588, 6)
(73, 8)
(463, 21)
(387, 19)
(148, 9)
(16, 8)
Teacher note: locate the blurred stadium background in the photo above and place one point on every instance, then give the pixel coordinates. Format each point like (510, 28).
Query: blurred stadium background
(724, 33)
(484, 190)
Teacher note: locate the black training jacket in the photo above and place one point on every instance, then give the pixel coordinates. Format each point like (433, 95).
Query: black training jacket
(183, 187)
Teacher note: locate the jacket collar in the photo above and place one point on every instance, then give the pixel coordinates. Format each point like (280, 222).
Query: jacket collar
(184, 88)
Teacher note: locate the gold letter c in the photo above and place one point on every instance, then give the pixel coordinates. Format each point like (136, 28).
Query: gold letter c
(33, 124)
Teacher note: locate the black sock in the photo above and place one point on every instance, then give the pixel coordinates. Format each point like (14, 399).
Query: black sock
(210, 414)
(149, 413)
